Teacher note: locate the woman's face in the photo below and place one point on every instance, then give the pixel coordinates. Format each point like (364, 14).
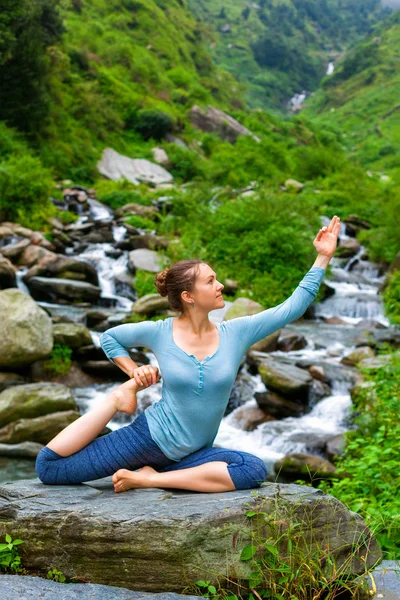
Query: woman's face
(208, 290)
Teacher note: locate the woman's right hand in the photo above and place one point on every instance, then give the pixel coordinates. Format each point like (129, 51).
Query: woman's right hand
(145, 376)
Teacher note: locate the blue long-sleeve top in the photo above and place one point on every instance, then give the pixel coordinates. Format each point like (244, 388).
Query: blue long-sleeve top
(195, 393)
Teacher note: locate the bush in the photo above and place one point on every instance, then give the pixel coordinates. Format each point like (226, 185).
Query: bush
(25, 187)
(391, 297)
(59, 361)
(150, 123)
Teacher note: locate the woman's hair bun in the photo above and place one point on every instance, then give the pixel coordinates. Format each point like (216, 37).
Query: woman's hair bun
(160, 282)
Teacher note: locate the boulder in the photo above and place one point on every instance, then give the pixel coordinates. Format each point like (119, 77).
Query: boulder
(335, 446)
(301, 464)
(8, 379)
(293, 186)
(59, 266)
(33, 400)
(21, 450)
(7, 273)
(30, 587)
(33, 254)
(291, 340)
(53, 289)
(149, 304)
(26, 329)
(284, 378)
(278, 407)
(217, 121)
(146, 259)
(73, 335)
(358, 355)
(148, 212)
(89, 532)
(41, 430)
(116, 166)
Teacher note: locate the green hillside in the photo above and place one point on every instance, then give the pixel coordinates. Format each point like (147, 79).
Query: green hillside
(361, 100)
(74, 75)
(280, 47)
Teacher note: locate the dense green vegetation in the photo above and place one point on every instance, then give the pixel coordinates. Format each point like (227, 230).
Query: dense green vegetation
(280, 47)
(360, 100)
(372, 487)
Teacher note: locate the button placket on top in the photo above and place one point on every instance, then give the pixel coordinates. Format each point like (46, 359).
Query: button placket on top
(201, 373)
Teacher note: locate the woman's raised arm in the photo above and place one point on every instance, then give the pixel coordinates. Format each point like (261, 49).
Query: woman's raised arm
(252, 328)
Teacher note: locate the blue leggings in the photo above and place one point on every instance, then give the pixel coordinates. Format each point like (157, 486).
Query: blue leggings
(132, 447)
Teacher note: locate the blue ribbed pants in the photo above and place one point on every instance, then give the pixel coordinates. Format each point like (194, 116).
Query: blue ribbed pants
(132, 447)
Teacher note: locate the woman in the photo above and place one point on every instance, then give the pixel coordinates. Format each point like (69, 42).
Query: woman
(169, 445)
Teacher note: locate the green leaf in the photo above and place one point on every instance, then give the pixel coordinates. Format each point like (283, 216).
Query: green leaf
(248, 552)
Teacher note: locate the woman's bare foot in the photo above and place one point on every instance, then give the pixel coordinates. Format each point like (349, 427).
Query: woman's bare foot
(123, 479)
(124, 396)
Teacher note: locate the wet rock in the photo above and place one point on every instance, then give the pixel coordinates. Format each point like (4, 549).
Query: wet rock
(291, 340)
(377, 362)
(318, 391)
(358, 355)
(54, 289)
(335, 446)
(7, 274)
(21, 450)
(33, 254)
(34, 400)
(318, 372)
(9, 379)
(278, 407)
(41, 430)
(300, 465)
(250, 417)
(286, 379)
(9, 229)
(56, 265)
(73, 335)
(104, 369)
(26, 329)
(116, 166)
(348, 247)
(153, 242)
(88, 526)
(13, 251)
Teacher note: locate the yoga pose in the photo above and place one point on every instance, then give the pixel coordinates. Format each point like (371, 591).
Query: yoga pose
(170, 444)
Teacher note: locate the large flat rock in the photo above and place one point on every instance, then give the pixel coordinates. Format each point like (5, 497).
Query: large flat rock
(163, 539)
(27, 587)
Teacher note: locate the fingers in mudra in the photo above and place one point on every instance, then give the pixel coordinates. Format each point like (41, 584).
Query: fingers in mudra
(326, 239)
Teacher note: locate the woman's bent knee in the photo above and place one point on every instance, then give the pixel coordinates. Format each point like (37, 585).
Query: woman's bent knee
(251, 472)
(45, 465)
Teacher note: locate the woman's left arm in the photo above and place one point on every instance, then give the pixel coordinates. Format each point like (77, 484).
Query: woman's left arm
(252, 328)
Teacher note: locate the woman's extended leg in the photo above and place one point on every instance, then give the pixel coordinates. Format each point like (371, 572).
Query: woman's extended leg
(82, 431)
(207, 470)
(127, 447)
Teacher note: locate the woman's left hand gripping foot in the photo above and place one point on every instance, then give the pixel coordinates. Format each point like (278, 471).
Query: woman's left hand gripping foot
(123, 479)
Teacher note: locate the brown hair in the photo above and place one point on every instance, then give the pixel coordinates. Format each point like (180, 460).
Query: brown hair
(181, 277)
